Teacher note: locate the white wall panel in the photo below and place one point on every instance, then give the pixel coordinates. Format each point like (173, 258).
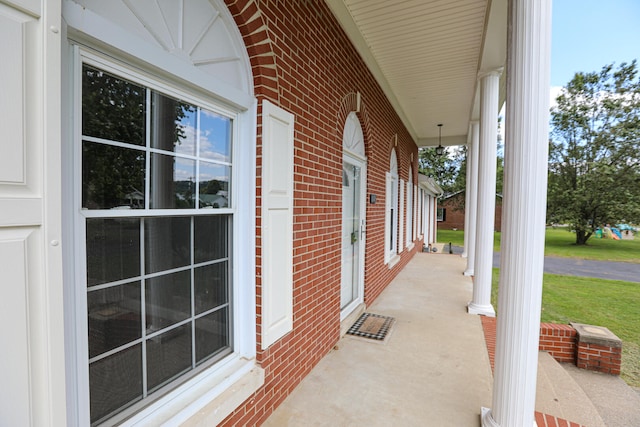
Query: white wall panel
(12, 160)
(15, 399)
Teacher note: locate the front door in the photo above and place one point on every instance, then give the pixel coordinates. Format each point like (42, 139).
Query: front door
(352, 236)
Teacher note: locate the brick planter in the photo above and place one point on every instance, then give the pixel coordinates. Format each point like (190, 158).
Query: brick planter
(594, 348)
(598, 349)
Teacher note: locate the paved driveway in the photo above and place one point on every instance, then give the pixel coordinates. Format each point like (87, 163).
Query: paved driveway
(626, 271)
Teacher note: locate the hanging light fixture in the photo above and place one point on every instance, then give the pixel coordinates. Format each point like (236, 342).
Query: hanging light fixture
(439, 148)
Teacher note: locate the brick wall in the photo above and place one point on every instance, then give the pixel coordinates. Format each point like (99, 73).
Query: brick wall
(303, 62)
(565, 344)
(601, 358)
(559, 341)
(454, 218)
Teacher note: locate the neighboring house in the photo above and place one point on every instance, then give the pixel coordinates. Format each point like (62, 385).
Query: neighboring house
(170, 313)
(451, 212)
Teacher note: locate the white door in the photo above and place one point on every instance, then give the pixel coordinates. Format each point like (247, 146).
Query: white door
(352, 235)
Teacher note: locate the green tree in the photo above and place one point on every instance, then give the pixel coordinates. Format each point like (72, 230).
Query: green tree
(594, 156)
(448, 169)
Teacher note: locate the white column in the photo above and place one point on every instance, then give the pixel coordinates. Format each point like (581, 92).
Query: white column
(466, 200)
(487, 148)
(471, 199)
(523, 215)
(434, 215)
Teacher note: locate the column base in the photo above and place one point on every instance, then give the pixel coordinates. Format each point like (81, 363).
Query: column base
(482, 309)
(468, 272)
(463, 254)
(487, 420)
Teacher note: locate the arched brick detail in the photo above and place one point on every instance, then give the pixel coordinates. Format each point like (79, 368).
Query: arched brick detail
(348, 104)
(257, 41)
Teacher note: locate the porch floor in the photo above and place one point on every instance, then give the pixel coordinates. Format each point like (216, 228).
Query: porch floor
(433, 369)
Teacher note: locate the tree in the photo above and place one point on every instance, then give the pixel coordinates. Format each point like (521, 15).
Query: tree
(594, 155)
(448, 169)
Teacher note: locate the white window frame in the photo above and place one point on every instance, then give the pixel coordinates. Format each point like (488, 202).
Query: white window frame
(410, 211)
(391, 223)
(237, 374)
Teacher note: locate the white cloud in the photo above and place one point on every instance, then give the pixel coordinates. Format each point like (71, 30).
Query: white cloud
(553, 94)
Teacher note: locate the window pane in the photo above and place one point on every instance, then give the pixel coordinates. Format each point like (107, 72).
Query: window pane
(167, 300)
(114, 317)
(168, 355)
(172, 182)
(112, 108)
(211, 238)
(212, 334)
(112, 177)
(173, 125)
(214, 185)
(115, 382)
(113, 249)
(215, 136)
(210, 284)
(167, 243)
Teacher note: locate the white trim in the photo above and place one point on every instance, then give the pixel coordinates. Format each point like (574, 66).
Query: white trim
(401, 216)
(86, 26)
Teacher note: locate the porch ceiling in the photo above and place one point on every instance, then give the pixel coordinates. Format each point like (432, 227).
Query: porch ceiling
(426, 55)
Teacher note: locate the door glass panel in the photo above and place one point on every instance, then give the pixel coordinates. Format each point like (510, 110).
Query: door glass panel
(350, 234)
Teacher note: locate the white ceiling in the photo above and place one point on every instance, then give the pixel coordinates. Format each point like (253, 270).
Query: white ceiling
(426, 55)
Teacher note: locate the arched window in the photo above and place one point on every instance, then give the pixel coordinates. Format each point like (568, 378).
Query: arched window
(162, 174)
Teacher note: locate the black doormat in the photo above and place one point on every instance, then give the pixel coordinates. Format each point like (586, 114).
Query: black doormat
(372, 326)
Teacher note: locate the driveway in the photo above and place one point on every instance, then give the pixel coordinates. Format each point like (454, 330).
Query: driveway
(626, 271)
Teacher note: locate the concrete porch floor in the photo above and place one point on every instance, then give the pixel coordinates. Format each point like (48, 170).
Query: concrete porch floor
(433, 369)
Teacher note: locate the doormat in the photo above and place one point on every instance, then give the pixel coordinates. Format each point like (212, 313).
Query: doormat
(372, 326)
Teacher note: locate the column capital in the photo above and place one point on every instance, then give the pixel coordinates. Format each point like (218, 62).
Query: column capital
(493, 72)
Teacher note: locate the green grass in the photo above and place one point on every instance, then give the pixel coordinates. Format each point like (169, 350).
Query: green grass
(610, 303)
(457, 238)
(561, 243)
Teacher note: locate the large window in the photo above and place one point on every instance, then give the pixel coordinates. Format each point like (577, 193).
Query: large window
(156, 210)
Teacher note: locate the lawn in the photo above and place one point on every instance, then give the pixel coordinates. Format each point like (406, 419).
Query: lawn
(610, 303)
(561, 243)
(457, 238)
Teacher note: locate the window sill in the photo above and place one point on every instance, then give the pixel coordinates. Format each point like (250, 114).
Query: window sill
(411, 246)
(393, 261)
(207, 399)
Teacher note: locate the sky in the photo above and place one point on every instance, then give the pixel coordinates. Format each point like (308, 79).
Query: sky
(588, 34)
